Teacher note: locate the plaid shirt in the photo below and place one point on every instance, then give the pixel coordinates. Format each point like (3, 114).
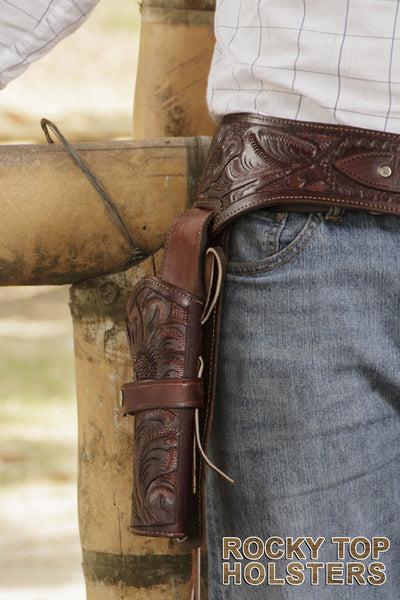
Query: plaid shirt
(335, 61)
(30, 28)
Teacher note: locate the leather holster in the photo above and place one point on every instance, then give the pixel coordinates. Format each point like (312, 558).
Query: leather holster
(165, 337)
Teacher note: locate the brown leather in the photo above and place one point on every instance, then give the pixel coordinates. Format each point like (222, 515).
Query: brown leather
(164, 334)
(366, 168)
(257, 161)
(253, 162)
(162, 393)
(195, 526)
(184, 251)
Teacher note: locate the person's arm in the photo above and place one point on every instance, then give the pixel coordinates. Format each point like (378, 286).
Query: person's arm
(29, 29)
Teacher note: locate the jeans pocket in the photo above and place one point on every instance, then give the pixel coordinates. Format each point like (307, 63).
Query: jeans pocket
(263, 240)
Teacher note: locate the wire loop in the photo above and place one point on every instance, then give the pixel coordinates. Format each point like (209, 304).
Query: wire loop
(137, 254)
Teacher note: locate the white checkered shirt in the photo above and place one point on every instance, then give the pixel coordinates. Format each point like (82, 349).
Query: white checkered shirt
(30, 28)
(334, 61)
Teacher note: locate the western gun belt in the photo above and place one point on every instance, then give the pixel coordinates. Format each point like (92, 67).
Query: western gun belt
(257, 161)
(173, 320)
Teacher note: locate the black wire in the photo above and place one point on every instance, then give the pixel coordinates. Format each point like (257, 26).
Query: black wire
(137, 253)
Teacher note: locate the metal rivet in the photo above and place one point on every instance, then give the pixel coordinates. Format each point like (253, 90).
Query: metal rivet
(385, 171)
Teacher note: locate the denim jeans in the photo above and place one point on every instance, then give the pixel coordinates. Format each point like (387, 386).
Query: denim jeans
(307, 413)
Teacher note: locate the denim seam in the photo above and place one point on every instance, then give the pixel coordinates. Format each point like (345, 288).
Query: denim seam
(208, 408)
(286, 255)
(273, 236)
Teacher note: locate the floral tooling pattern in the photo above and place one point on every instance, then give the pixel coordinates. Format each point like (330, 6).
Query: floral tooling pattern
(158, 320)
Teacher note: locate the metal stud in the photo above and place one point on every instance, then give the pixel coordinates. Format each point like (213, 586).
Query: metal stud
(385, 171)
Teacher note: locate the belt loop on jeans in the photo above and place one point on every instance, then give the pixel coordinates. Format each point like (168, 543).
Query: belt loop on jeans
(335, 213)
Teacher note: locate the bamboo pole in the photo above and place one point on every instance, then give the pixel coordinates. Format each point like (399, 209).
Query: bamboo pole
(176, 46)
(117, 564)
(54, 228)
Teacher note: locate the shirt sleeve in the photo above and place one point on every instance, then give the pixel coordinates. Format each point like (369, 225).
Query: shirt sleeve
(29, 29)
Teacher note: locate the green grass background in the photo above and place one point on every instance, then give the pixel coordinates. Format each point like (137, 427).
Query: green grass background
(37, 412)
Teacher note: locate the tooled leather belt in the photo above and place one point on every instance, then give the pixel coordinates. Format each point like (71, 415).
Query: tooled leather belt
(253, 162)
(257, 161)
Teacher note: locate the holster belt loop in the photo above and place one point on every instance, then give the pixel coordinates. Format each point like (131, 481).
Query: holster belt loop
(162, 394)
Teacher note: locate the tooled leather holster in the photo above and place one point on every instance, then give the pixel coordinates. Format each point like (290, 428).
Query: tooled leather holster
(254, 162)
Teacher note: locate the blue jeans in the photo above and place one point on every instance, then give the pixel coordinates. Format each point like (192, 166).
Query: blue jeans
(307, 414)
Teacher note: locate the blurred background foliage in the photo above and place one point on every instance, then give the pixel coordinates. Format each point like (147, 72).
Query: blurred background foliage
(85, 85)
(37, 411)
